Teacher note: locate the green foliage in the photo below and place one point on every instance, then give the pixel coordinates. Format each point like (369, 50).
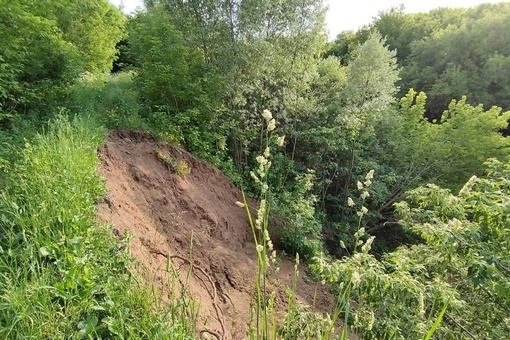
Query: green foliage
(48, 43)
(466, 137)
(343, 46)
(62, 275)
(447, 53)
(457, 61)
(34, 56)
(93, 27)
(300, 321)
(158, 48)
(181, 92)
(302, 230)
(463, 263)
(348, 147)
(180, 168)
(370, 84)
(112, 99)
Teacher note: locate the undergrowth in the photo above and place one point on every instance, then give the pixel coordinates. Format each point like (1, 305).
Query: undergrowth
(299, 320)
(61, 274)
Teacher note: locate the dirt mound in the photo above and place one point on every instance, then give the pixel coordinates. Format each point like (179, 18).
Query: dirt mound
(171, 216)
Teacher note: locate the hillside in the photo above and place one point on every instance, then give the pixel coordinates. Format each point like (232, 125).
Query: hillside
(191, 218)
(382, 159)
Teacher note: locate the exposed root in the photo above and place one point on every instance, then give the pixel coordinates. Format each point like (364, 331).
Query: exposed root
(213, 295)
(213, 333)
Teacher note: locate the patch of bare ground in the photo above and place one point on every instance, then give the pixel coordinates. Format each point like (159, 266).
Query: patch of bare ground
(170, 216)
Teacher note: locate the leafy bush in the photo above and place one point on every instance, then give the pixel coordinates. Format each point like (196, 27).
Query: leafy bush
(302, 231)
(112, 99)
(46, 44)
(462, 264)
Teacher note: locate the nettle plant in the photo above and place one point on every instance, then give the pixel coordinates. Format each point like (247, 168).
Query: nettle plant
(459, 272)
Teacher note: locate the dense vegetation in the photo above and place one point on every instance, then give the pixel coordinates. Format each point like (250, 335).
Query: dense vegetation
(384, 130)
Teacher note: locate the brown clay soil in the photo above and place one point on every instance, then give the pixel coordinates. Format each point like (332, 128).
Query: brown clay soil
(170, 216)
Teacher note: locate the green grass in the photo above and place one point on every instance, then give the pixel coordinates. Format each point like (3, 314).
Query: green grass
(62, 275)
(112, 99)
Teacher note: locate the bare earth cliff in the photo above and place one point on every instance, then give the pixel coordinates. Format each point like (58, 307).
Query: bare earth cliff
(170, 216)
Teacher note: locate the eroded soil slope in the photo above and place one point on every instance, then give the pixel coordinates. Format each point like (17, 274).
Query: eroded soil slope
(171, 215)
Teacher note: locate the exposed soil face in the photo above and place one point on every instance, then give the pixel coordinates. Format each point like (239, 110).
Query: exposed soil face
(171, 216)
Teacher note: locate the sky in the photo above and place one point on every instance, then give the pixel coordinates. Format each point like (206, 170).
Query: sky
(351, 15)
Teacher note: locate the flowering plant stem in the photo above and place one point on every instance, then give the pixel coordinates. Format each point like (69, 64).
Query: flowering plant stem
(261, 238)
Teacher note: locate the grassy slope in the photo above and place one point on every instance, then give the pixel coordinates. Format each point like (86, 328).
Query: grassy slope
(61, 274)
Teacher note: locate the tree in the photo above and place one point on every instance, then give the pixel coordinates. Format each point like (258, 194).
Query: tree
(458, 60)
(369, 90)
(48, 43)
(181, 91)
(447, 154)
(94, 27)
(342, 47)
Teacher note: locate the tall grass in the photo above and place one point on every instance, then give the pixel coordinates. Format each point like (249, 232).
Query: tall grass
(62, 275)
(299, 321)
(112, 99)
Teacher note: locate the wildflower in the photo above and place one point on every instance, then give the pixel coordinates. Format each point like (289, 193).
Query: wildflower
(271, 125)
(270, 245)
(368, 245)
(455, 224)
(369, 175)
(364, 194)
(350, 202)
(280, 141)
(371, 321)
(261, 160)
(266, 234)
(355, 278)
(267, 115)
(421, 304)
(360, 232)
(259, 248)
(362, 212)
(239, 204)
(360, 185)
(467, 187)
(368, 183)
(252, 174)
(265, 188)
(266, 152)
(261, 212)
(261, 170)
(262, 208)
